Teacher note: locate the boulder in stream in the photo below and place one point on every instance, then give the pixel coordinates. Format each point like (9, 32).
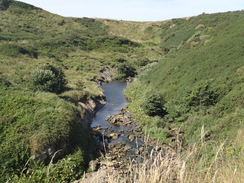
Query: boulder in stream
(114, 136)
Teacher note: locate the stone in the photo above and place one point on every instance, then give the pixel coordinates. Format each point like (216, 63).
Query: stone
(127, 148)
(114, 136)
(94, 165)
(110, 146)
(98, 128)
(141, 149)
(131, 137)
(121, 144)
(137, 152)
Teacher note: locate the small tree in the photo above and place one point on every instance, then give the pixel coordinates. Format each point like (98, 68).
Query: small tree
(201, 95)
(153, 104)
(48, 78)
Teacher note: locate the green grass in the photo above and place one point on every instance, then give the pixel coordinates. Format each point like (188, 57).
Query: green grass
(217, 62)
(31, 122)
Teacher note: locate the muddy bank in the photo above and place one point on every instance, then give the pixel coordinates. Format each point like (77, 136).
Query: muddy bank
(91, 107)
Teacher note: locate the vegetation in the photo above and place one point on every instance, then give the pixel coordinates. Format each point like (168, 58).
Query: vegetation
(48, 64)
(32, 123)
(201, 83)
(153, 104)
(125, 70)
(189, 165)
(190, 74)
(49, 79)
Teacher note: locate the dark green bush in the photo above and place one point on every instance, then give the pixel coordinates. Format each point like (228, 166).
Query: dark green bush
(4, 82)
(120, 60)
(201, 95)
(125, 70)
(153, 104)
(4, 4)
(13, 50)
(143, 61)
(49, 79)
(96, 27)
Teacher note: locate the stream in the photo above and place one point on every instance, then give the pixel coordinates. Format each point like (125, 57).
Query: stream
(115, 100)
(125, 138)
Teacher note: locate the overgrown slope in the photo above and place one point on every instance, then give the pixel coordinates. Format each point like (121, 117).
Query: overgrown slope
(36, 123)
(200, 83)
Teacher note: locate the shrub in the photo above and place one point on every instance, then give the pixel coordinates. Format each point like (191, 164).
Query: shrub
(143, 61)
(120, 60)
(13, 50)
(153, 104)
(49, 79)
(4, 82)
(125, 70)
(201, 95)
(4, 4)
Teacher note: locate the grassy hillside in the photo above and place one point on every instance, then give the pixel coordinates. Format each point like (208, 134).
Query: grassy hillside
(35, 122)
(30, 36)
(199, 85)
(194, 96)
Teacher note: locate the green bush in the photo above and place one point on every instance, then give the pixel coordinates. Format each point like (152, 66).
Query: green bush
(153, 104)
(14, 50)
(120, 59)
(96, 27)
(4, 82)
(32, 122)
(143, 61)
(201, 95)
(49, 79)
(4, 4)
(125, 70)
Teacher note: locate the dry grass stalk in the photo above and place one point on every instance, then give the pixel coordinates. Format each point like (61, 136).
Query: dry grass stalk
(194, 166)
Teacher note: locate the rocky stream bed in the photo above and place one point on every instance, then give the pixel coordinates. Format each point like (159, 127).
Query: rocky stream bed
(120, 140)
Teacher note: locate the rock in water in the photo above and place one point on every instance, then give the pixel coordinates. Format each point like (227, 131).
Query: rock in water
(132, 137)
(114, 136)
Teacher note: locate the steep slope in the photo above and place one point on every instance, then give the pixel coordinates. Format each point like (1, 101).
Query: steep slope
(193, 98)
(200, 81)
(81, 45)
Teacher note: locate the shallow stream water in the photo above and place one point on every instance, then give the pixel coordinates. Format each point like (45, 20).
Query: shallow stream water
(115, 101)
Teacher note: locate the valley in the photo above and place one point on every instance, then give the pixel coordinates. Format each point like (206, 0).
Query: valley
(184, 92)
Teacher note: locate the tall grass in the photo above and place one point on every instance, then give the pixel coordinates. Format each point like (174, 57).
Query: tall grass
(193, 165)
